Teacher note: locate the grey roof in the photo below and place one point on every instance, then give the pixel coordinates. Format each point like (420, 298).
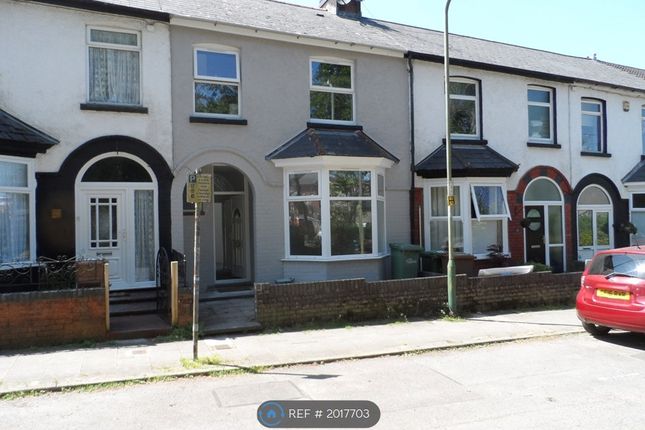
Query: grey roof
(468, 159)
(637, 174)
(633, 70)
(286, 18)
(318, 140)
(19, 138)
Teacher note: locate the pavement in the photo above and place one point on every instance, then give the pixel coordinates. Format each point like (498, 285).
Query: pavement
(141, 359)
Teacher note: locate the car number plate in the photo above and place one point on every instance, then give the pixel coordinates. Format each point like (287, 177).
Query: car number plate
(612, 294)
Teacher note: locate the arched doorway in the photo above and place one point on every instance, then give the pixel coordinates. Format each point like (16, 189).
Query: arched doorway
(594, 219)
(117, 218)
(544, 224)
(225, 245)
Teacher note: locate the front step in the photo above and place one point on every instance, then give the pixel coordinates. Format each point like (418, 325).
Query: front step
(133, 302)
(138, 326)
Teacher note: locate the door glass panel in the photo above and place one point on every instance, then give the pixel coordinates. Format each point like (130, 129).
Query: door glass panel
(556, 256)
(144, 235)
(593, 196)
(555, 225)
(542, 190)
(602, 228)
(103, 222)
(585, 229)
(534, 219)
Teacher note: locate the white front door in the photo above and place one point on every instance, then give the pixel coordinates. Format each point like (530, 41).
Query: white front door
(102, 232)
(119, 225)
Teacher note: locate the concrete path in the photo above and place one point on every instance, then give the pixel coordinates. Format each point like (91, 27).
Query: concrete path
(128, 360)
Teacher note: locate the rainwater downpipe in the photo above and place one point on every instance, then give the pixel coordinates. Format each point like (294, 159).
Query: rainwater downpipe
(410, 67)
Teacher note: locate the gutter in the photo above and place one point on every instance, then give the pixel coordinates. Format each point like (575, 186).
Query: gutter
(99, 6)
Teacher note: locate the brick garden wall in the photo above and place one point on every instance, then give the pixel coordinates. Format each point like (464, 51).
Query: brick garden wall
(49, 317)
(358, 300)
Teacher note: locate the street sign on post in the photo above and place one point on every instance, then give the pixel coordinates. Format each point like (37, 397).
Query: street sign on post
(199, 190)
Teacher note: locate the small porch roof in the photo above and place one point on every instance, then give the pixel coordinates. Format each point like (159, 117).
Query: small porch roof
(637, 174)
(474, 159)
(331, 140)
(21, 139)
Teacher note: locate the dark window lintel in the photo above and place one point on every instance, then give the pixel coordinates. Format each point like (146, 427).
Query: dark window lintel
(215, 120)
(544, 145)
(595, 154)
(100, 107)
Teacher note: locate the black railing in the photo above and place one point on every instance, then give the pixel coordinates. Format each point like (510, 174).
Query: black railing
(47, 274)
(162, 276)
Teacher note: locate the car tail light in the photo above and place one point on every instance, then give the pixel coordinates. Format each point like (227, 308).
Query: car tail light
(582, 281)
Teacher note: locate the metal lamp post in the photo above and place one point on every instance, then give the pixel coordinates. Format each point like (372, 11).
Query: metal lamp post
(452, 279)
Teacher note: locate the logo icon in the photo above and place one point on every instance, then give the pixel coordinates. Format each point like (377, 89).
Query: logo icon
(271, 414)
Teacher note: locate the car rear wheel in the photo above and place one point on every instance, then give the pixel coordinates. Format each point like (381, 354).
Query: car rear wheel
(595, 330)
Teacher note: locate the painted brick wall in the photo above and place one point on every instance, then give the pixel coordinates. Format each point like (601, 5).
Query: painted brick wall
(51, 317)
(358, 300)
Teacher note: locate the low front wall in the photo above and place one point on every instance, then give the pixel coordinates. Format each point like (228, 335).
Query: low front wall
(358, 300)
(51, 317)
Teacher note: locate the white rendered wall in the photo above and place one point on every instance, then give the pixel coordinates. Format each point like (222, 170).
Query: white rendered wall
(43, 78)
(505, 123)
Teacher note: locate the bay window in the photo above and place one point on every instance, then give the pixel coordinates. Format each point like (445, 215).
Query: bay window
(486, 226)
(335, 213)
(16, 210)
(637, 216)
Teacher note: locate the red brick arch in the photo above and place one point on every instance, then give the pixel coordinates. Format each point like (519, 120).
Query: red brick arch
(516, 206)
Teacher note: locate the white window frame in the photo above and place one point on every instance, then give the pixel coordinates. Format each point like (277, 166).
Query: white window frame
(549, 105)
(632, 189)
(428, 210)
(30, 189)
(323, 169)
(217, 80)
(601, 115)
(479, 216)
(465, 186)
(332, 90)
(116, 46)
(594, 228)
(476, 99)
(545, 205)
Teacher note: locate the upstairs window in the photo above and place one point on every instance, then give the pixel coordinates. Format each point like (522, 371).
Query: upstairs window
(114, 67)
(331, 91)
(541, 121)
(593, 123)
(217, 83)
(464, 108)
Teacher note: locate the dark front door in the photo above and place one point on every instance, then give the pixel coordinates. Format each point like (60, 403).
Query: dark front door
(535, 234)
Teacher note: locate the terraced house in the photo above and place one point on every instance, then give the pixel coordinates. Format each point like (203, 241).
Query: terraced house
(323, 132)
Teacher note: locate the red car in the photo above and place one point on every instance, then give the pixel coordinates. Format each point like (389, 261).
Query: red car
(612, 292)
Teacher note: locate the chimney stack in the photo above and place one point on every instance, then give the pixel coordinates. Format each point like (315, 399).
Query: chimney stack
(350, 8)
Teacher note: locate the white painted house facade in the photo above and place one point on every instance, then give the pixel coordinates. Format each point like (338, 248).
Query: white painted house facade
(93, 82)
